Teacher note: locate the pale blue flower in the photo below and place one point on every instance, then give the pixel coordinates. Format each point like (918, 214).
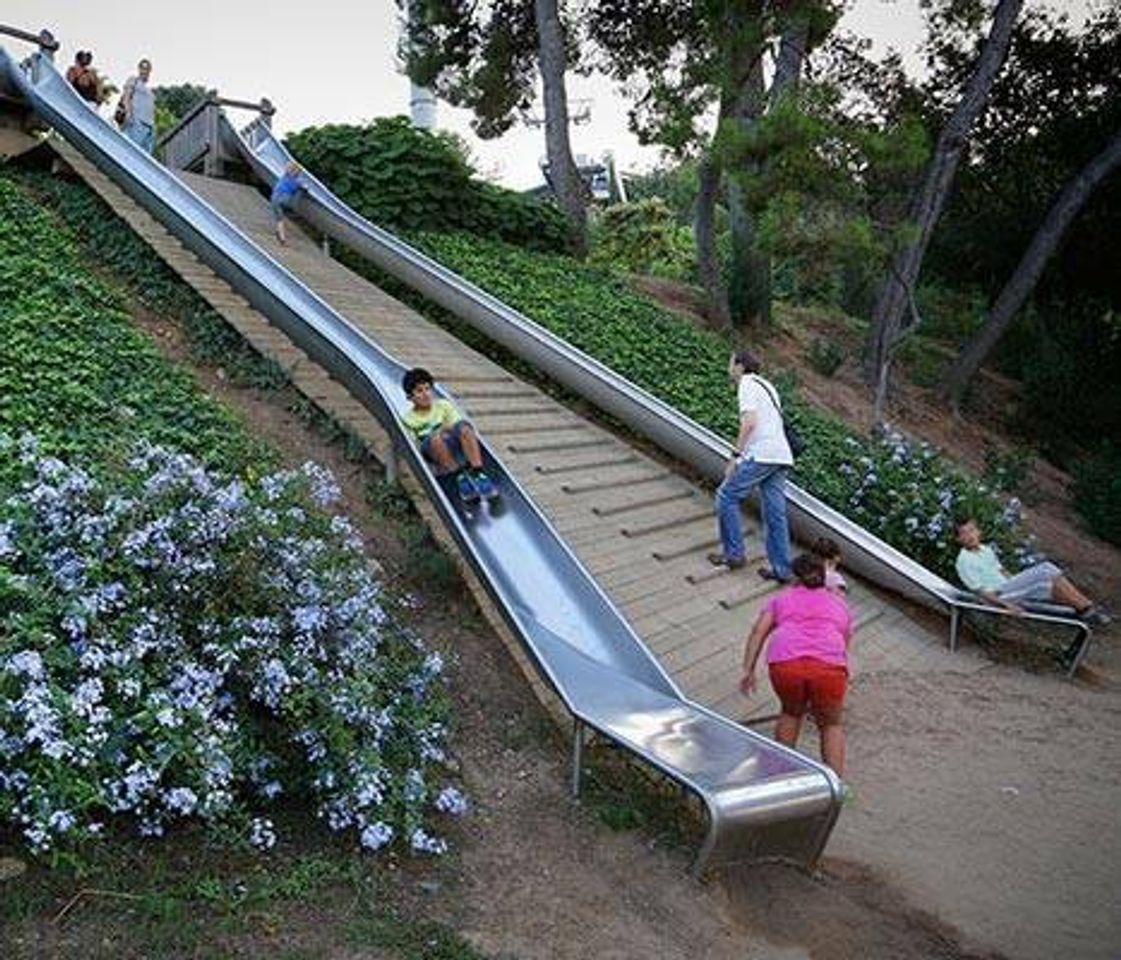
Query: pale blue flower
(262, 833)
(451, 801)
(376, 835)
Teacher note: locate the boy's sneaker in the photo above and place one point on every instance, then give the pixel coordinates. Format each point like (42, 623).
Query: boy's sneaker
(484, 485)
(468, 492)
(1096, 616)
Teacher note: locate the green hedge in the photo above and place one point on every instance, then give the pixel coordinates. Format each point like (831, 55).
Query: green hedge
(1097, 493)
(402, 178)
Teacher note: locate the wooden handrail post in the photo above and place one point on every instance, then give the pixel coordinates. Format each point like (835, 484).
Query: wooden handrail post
(211, 164)
(46, 40)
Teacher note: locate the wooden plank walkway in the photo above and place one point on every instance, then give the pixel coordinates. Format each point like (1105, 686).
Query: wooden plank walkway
(639, 528)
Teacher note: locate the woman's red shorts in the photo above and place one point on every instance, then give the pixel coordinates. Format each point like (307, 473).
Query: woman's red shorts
(807, 683)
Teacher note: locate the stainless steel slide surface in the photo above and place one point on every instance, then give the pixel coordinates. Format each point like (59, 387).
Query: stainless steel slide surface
(675, 433)
(763, 799)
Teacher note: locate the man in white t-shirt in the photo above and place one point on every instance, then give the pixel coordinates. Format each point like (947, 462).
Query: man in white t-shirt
(139, 101)
(762, 459)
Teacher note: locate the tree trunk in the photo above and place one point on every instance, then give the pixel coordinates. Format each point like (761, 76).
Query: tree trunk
(562, 169)
(749, 283)
(791, 54)
(888, 316)
(1026, 275)
(704, 230)
(750, 290)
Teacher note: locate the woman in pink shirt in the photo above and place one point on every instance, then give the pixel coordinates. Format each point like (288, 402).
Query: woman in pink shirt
(809, 628)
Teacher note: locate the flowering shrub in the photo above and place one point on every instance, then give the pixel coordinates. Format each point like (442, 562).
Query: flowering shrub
(906, 492)
(193, 645)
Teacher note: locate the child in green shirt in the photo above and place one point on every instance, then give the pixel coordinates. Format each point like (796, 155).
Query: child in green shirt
(445, 437)
(980, 569)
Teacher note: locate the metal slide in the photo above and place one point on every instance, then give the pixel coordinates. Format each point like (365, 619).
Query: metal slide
(675, 433)
(763, 800)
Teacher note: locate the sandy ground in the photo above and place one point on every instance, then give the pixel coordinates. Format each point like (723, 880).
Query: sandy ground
(985, 823)
(991, 799)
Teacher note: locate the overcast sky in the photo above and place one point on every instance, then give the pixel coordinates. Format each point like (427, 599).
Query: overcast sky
(334, 61)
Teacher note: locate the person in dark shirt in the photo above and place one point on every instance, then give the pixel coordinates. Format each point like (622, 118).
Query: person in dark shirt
(83, 78)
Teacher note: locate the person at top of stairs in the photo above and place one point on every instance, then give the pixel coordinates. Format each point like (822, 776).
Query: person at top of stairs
(137, 109)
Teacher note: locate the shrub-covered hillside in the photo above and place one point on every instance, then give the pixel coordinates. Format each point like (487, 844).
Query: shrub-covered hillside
(186, 632)
(403, 178)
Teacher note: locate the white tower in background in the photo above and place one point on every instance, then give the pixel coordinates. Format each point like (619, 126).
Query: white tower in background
(422, 107)
(422, 101)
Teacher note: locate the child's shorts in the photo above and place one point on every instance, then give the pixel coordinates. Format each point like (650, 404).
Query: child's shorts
(279, 207)
(452, 437)
(807, 683)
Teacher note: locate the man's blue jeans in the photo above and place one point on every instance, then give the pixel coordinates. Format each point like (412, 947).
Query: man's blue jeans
(142, 134)
(770, 478)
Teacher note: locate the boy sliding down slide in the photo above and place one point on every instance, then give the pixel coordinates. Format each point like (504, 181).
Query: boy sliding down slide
(445, 437)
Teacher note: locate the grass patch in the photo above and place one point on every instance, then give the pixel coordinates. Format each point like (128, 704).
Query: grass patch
(185, 898)
(624, 795)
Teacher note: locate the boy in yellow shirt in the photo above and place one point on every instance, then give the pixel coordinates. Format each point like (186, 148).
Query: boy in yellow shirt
(445, 437)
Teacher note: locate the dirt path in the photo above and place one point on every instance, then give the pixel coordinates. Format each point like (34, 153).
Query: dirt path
(991, 799)
(985, 821)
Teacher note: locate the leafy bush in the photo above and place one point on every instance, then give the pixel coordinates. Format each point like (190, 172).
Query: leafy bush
(179, 99)
(926, 365)
(825, 357)
(675, 185)
(1097, 493)
(186, 644)
(1008, 470)
(403, 178)
(643, 237)
(1069, 362)
(902, 491)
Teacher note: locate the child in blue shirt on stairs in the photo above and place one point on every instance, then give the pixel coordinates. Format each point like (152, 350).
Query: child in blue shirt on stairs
(283, 196)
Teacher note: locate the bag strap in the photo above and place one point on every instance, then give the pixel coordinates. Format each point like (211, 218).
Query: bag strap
(769, 390)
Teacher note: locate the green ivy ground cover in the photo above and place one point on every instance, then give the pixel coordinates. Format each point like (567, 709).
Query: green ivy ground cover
(108, 241)
(73, 369)
(905, 492)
